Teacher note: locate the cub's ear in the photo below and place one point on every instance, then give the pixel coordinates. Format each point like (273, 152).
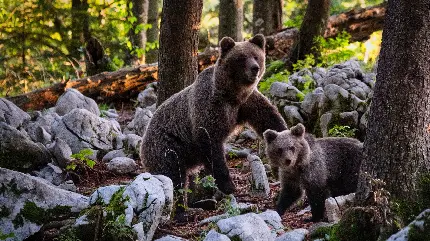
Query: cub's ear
(298, 130)
(269, 136)
(259, 40)
(226, 44)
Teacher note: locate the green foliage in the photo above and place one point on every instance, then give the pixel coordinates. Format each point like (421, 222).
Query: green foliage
(227, 207)
(306, 63)
(38, 215)
(207, 182)
(275, 72)
(68, 235)
(81, 158)
(342, 131)
(326, 233)
(6, 236)
(407, 210)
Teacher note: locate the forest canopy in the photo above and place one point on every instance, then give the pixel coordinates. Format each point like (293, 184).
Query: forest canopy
(42, 42)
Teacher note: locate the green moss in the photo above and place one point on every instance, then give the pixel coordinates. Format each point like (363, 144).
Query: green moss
(38, 215)
(359, 224)
(418, 234)
(326, 233)
(4, 211)
(11, 187)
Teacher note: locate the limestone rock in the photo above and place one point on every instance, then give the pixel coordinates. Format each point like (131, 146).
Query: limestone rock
(72, 99)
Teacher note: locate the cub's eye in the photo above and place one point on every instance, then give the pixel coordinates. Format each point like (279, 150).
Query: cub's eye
(292, 148)
(256, 58)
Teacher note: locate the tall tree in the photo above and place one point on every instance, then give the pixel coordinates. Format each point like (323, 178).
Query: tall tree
(267, 16)
(397, 145)
(137, 33)
(80, 27)
(230, 19)
(313, 25)
(180, 21)
(153, 32)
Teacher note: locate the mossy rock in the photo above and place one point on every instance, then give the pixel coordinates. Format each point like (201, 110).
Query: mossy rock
(358, 224)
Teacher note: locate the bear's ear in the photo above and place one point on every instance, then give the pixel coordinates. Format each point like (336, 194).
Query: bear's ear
(259, 40)
(269, 136)
(298, 130)
(226, 44)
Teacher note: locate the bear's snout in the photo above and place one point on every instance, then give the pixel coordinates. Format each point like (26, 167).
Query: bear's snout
(255, 69)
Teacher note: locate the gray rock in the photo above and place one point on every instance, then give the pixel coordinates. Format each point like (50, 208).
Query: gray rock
(18, 152)
(334, 92)
(246, 227)
(82, 129)
(171, 238)
(234, 152)
(273, 220)
(319, 74)
(215, 236)
(259, 181)
(292, 115)
(285, 91)
(11, 114)
(147, 97)
(335, 206)
(148, 199)
(293, 235)
(68, 185)
(52, 174)
(299, 78)
(349, 118)
(42, 120)
(420, 225)
(249, 134)
(115, 153)
(62, 152)
(363, 120)
(104, 194)
(311, 102)
(111, 113)
(21, 190)
(132, 144)
(122, 165)
(139, 123)
(303, 211)
(325, 121)
(72, 99)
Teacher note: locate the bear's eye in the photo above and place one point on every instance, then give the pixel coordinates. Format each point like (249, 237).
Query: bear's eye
(256, 58)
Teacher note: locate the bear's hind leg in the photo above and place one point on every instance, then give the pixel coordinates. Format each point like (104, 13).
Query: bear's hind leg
(316, 197)
(216, 166)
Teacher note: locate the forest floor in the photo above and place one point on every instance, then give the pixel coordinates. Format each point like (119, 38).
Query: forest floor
(90, 180)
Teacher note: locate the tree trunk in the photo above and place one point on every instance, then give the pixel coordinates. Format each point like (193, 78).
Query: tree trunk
(80, 28)
(179, 38)
(397, 145)
(137, 34)
(230, 19)
(267, 16)
(153, 32)
(313, 25)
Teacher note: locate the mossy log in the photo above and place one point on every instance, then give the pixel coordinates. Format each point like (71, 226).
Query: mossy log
(125, 84)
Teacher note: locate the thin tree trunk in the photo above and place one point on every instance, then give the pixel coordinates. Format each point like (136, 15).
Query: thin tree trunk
(80, 28)
(137, 35)
(180, 22)
(230, 19)
(267, 16)
(153, 32)
(397, 145)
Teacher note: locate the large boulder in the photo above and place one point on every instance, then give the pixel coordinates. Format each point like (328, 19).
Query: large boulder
(246, 227)
(82, 129)
(27, 203)
(11, 114)
(72, 99)
(18, 152)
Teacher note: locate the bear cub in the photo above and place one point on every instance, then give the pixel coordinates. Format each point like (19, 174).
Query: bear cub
(323, 167)
(189, 129)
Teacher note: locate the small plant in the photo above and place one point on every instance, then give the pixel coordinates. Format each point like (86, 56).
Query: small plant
(228, 208)
(275, 72)
(342, 131)
(81, 158)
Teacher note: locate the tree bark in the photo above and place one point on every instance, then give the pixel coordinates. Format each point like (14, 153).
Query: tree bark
(180, 23)
(80, 28)
(267, 16)
(153, 32)
(313, 25)
(230, 19)
(137, 37)
(397, 145)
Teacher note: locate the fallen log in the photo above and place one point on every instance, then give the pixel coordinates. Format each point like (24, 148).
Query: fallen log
(125, 84)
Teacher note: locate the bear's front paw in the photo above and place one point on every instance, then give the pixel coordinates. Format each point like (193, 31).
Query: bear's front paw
(227, 187)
